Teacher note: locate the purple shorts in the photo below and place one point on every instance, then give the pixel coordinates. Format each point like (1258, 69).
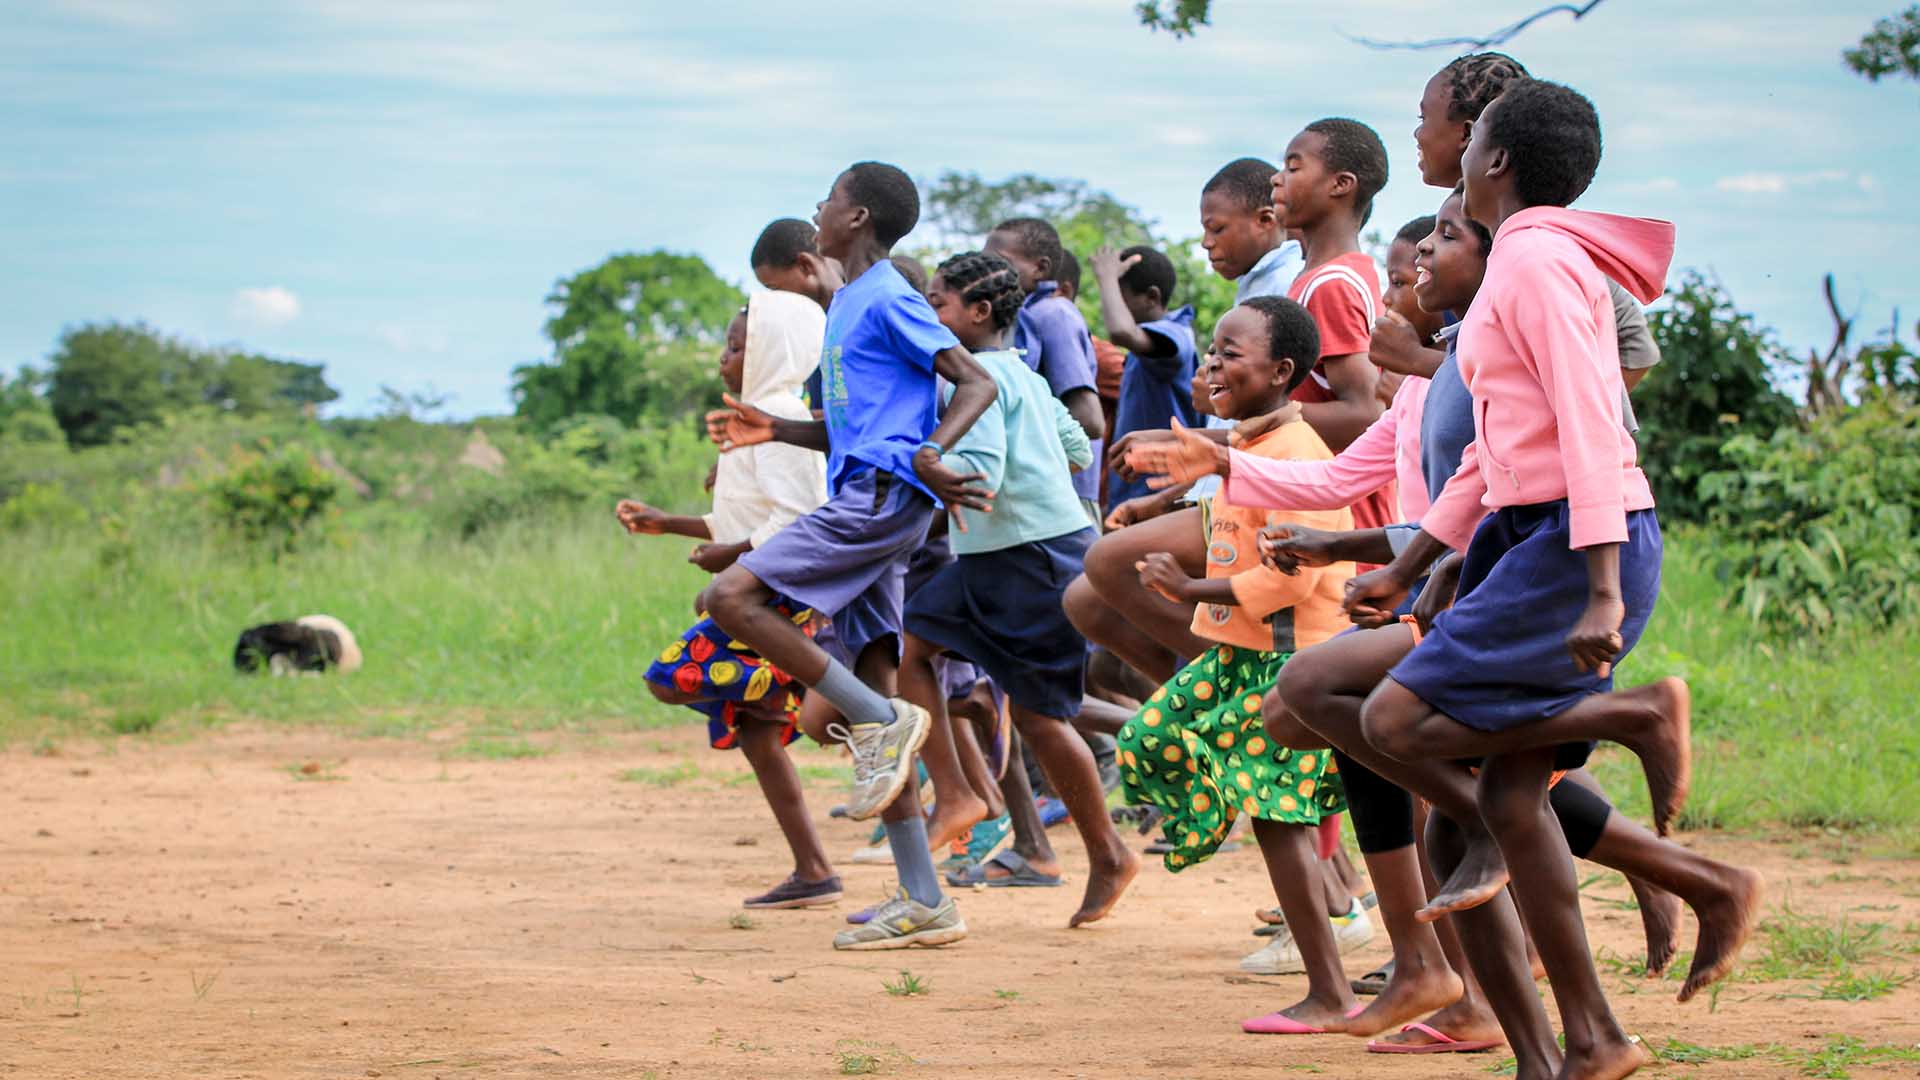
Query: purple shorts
(848, 559)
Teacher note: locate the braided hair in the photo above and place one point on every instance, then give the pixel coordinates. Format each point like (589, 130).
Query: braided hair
(977, 276)
(1474, 80)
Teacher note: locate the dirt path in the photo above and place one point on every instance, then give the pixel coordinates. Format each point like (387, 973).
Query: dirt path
(206, 909)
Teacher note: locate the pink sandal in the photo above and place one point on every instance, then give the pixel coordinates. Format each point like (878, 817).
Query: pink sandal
(1442, 1043)
(1279, 1023)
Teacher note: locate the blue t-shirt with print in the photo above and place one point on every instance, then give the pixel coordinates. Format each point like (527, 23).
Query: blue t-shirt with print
(1154, 390)
(1052, 335)
(876, 376)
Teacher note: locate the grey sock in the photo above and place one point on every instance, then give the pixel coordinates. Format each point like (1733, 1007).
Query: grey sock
(855, 699)
(912, 860)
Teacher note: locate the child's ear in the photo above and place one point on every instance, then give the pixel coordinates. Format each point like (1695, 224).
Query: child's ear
(1497, 162)
(1043, 268)
(1283, 370)
(1154, 298)
(859, 218)
(1343, 184)
(980, 311)
(1268, 216)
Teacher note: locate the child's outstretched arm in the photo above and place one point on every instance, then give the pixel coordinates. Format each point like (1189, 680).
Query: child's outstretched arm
(740, 424)
(643, 520)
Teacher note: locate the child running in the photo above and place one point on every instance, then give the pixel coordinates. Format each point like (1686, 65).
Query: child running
(883, 437)
(1196, 749)
(1572, 541)
(771, 345)
(998, 604)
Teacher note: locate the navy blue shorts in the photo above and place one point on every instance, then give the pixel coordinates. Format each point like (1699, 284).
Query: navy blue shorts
(1497, 659)
(1002, 611)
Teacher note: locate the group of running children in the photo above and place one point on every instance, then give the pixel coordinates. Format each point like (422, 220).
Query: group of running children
(1370, 553)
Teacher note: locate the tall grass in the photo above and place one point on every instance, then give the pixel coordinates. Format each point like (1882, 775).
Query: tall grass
(551, 623)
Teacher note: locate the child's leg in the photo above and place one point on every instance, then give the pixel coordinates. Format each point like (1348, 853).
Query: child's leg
(1513, 802)
(1100, 623)
(1103, 717)
(1294, 869)
(956, 808)
(1581, 805)
(1069, 767)
(967, 722)
(1494, 944)
(1029, 835)
(780, 782)
(1653, 721)
(1422, 980)
(1110, 569)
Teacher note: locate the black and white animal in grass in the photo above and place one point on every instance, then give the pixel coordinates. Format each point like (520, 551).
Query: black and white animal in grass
(311, 643)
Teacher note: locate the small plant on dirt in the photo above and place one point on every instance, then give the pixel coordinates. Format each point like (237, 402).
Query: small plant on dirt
(496, 749)
(138, 722)
(1802, 946)
(1862, 987)
(740, 920)
(907, 985)
(1686, 1053)
(859, 1058)
(668, 777)
(1843, 1053)
(201, 986)
(1007, 995)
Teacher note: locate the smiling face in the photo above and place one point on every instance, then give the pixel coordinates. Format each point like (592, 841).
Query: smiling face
(1399, 295)
(733, 355)
(1006, 244)
(1450, 262)
(1241, 376)
(1235, 237)
(1439, 138)
(837, 220)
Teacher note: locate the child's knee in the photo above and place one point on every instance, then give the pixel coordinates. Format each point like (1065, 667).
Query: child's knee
(732, 595)
(1301, 685)
(816, 715)
(1084, 606)
(1509, 807)
(1283, 725)
(670, 695)
(1388, 721)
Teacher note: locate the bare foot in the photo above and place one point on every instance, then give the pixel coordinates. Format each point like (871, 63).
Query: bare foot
(1724, 926)
(1660, 918)
(1479, 877)
(1411, 993)
(1107, 879)
(1665, 746)
(1606, 1061)
(1328, 1017)
(951, 819)
(1463, 1021)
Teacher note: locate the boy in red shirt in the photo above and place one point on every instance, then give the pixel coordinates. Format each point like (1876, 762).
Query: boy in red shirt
(1325, 189)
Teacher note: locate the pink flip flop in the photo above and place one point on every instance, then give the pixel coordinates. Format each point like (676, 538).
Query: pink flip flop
(1442, 1043)
(1279, 1023)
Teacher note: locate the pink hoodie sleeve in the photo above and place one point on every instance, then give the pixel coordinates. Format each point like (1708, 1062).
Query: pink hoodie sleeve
(1566, 335)
(1461, 505)
(1358, 471)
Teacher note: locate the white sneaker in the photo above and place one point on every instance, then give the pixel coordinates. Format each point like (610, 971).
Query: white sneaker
(1280, 956)
(882, 756)
(1352, 930)
(880, 854)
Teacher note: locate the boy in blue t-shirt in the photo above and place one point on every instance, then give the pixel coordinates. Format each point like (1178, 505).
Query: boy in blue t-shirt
(1156, 386)
(883, 435)
(1052, 335)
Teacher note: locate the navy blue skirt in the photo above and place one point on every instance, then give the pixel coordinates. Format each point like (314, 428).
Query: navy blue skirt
(1002, 611)
(1498, 659)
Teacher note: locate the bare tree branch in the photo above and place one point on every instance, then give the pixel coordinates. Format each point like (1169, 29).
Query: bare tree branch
(1498, 37)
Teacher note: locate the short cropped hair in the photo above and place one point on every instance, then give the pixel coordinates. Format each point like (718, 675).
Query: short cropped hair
(889, 196)
(1153, 271)
(1416, 230)
(910, 269)
(1038, 239)
(782, 243)
(1551, 134)
(1248, 181)
(1352, 147)
(1067, 271)
(978, 276)
(1474, 80)
(1291, 334)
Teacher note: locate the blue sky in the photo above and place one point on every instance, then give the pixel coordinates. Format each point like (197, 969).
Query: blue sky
(392, 187)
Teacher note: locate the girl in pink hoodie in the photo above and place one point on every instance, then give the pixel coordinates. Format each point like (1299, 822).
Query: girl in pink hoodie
(1563, 550)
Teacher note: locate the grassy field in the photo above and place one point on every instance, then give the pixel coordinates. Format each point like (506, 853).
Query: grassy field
(548, 626)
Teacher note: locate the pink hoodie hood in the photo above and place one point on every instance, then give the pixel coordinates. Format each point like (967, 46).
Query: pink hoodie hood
(1636, 252)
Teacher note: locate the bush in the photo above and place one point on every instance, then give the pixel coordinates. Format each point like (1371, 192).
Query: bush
(1713, 383)
(272, 495)
(1822, 521)
(41, 507)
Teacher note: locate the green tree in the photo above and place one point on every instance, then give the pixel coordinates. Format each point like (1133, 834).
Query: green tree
(1714, 381)
(632, 337)
(24, 413)
(1892, 47)
(1177, 17)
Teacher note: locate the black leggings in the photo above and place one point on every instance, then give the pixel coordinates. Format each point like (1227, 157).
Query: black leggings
(1383, 812)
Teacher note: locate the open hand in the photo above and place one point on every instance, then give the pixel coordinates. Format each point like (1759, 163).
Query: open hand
(1107, 265)
(738, 425)
(639, 518)
(1372, 597)
(1186, 457)
(1287, 547)
(957, 490)
(1595, 641)
(1161, 572)
(1119, 448)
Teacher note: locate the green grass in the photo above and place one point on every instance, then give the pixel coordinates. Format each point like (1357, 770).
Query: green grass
(671, 776)
(907, 985)
(528, 628)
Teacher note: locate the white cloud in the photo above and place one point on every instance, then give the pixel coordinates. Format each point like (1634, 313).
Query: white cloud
(1772, 183)
(1753, 183)
(269, 306)
(1657, 183)
(411, 339)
